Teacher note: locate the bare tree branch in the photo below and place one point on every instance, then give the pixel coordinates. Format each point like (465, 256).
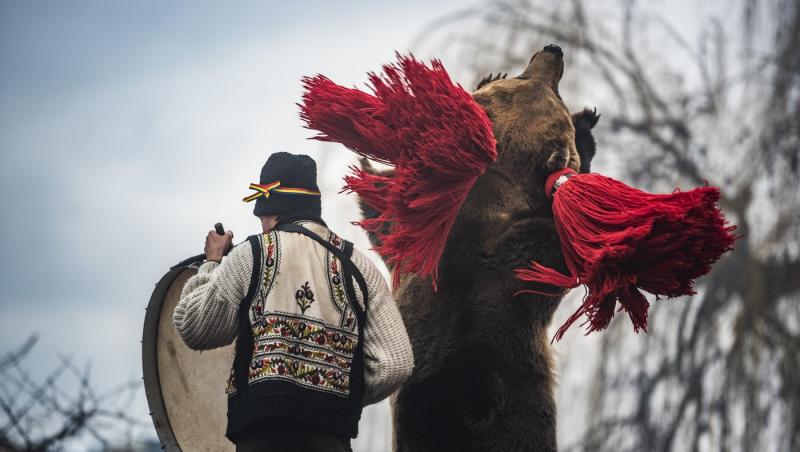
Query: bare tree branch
(720, 106)
(46, 416)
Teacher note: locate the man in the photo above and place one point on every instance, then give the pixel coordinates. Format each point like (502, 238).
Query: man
(317, 332)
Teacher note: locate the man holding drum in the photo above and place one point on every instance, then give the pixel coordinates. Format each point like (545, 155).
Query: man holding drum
(317, 331)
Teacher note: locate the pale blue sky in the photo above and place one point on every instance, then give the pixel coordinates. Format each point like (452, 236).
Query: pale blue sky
(128, 129)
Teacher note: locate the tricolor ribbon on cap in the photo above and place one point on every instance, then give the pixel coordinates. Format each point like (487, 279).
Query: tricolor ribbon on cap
(265, 189)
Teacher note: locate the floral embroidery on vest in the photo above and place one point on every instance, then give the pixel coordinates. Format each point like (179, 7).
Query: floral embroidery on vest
(304, 297)
(330, 379)
(290, 326)
(270, 263)
(303, 351)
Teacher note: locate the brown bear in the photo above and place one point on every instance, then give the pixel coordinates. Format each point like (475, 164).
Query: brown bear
(483, 379)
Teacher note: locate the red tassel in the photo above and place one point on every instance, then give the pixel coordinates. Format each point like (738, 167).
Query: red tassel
(431, 130)
(618, 240)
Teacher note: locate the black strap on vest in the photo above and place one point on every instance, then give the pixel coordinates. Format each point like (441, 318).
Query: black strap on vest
(244, 342)
(351, 272)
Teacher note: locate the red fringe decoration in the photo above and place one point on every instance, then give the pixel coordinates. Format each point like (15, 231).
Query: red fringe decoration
(434, 134)
(617, 240)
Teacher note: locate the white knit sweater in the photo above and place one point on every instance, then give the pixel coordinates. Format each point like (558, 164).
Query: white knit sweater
(207, 317)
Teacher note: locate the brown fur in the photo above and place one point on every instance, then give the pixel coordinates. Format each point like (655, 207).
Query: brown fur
(483, 379)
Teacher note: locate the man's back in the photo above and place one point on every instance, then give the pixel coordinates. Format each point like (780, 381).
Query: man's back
(319, 335)
(305, 330)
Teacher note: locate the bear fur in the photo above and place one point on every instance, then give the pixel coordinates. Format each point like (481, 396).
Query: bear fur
(483, 379)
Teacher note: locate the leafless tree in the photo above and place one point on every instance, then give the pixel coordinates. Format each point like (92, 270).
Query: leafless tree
(720, 370)
(46, 414)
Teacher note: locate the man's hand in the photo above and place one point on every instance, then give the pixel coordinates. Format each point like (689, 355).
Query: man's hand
(217, 245)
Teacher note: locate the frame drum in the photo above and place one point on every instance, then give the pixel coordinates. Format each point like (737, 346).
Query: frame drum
(185, 388)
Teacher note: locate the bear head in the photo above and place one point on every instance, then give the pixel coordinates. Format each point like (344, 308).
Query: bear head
(506, 220)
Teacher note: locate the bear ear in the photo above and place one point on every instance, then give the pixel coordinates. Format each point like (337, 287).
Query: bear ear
(584, 121)
(489, 79)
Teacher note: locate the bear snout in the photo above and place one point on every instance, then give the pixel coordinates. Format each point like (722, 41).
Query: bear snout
(546, 65)
(554, 49)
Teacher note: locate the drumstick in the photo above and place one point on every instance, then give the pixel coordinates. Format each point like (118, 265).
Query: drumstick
(220, 230)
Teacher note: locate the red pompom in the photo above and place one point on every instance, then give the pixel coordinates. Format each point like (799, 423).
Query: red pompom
(617, 240)
(431, 130)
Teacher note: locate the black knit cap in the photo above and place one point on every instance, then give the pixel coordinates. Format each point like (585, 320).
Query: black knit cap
(293, 171)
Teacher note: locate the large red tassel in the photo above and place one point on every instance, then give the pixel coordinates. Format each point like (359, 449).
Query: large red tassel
(618, 240)
(431, 130)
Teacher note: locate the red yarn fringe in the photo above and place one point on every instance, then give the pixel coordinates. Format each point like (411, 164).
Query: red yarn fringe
(618, 240)
(434, 134)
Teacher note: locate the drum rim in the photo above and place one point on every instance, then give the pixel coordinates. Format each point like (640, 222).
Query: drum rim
(152, 384)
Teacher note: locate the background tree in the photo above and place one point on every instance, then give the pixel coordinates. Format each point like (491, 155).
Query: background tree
(680, 106)
(63, 409)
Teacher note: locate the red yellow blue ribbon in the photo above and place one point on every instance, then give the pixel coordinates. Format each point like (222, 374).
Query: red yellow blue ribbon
(265, 189)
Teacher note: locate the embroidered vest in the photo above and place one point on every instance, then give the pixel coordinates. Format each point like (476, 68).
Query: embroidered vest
(299, 353)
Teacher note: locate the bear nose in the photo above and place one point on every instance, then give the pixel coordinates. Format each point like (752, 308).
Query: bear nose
(552, 48)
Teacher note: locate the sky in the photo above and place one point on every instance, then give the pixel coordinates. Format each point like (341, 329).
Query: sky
(127, 129)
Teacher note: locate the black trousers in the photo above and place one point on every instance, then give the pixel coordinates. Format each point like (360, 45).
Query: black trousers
(277, 435)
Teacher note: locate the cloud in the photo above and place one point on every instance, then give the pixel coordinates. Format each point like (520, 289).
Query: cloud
(127, 130)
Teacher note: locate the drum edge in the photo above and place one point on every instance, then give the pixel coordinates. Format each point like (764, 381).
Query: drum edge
(152, 386)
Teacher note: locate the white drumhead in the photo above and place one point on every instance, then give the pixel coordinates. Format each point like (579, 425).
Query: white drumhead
(192, 382)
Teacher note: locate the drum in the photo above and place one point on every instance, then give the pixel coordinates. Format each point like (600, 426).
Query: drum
(185, 388)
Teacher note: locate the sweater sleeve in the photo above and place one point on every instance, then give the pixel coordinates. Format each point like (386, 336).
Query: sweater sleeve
(207, 314)
(388, 360)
